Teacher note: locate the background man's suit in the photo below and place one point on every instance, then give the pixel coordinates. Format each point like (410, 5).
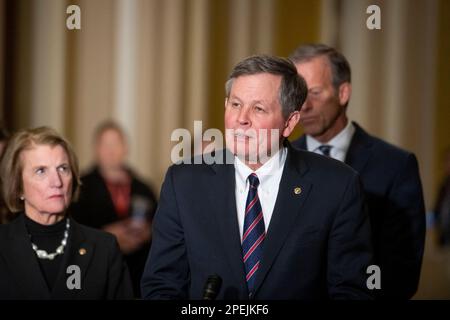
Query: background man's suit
(317, 245)
(391, 181)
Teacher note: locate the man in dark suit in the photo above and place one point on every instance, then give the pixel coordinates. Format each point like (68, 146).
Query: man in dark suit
(389, 175)
(272, 222)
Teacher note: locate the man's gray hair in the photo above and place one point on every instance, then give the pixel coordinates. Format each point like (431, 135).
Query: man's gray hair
(293, 89)
(340, 68)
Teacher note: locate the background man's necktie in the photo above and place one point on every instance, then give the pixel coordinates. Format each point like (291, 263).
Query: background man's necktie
(325, 149)
(253, 233)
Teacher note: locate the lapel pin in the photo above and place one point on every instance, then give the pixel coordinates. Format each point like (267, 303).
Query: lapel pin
(82, 251)
(297, 190)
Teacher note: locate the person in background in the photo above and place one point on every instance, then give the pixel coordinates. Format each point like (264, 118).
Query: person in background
(44, 253)
(114, 199)
(5, 215)
(390, 175)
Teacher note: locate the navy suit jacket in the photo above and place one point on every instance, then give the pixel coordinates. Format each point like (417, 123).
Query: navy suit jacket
(317, 244)
(391, 181)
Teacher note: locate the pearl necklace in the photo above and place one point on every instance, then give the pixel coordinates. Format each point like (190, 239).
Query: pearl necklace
(42, 254)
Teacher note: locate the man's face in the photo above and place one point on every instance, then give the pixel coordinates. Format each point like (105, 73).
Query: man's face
(253, 117)
(323, 113)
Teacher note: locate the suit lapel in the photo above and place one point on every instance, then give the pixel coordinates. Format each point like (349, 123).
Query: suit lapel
(79, 253)
(359, 150)
(288, 206)
(23, 262)
(223, 198)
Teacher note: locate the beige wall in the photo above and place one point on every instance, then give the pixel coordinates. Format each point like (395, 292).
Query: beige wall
(152, 65)
(156, 65)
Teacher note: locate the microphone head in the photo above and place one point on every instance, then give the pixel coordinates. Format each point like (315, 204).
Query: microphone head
(212, 287)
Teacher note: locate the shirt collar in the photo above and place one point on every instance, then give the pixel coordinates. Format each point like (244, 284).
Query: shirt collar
(275, 163)
(341, 141)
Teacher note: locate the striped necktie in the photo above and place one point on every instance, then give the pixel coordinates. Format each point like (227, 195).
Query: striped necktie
(253, 233)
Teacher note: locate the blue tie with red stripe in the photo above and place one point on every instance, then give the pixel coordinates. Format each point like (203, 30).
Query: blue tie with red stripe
(254, 232)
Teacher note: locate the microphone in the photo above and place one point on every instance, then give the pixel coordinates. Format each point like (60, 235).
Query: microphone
(212, 287)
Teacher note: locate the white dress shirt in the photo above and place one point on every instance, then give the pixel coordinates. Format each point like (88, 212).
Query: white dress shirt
(340, 143)
(269, 176)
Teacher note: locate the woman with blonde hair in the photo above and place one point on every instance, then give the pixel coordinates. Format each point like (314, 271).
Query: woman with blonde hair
(44, 254)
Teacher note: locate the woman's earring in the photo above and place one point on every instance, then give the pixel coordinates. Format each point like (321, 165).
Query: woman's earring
(22, 198)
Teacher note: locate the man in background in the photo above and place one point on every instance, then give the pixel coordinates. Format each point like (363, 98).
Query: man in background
(390, 175)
